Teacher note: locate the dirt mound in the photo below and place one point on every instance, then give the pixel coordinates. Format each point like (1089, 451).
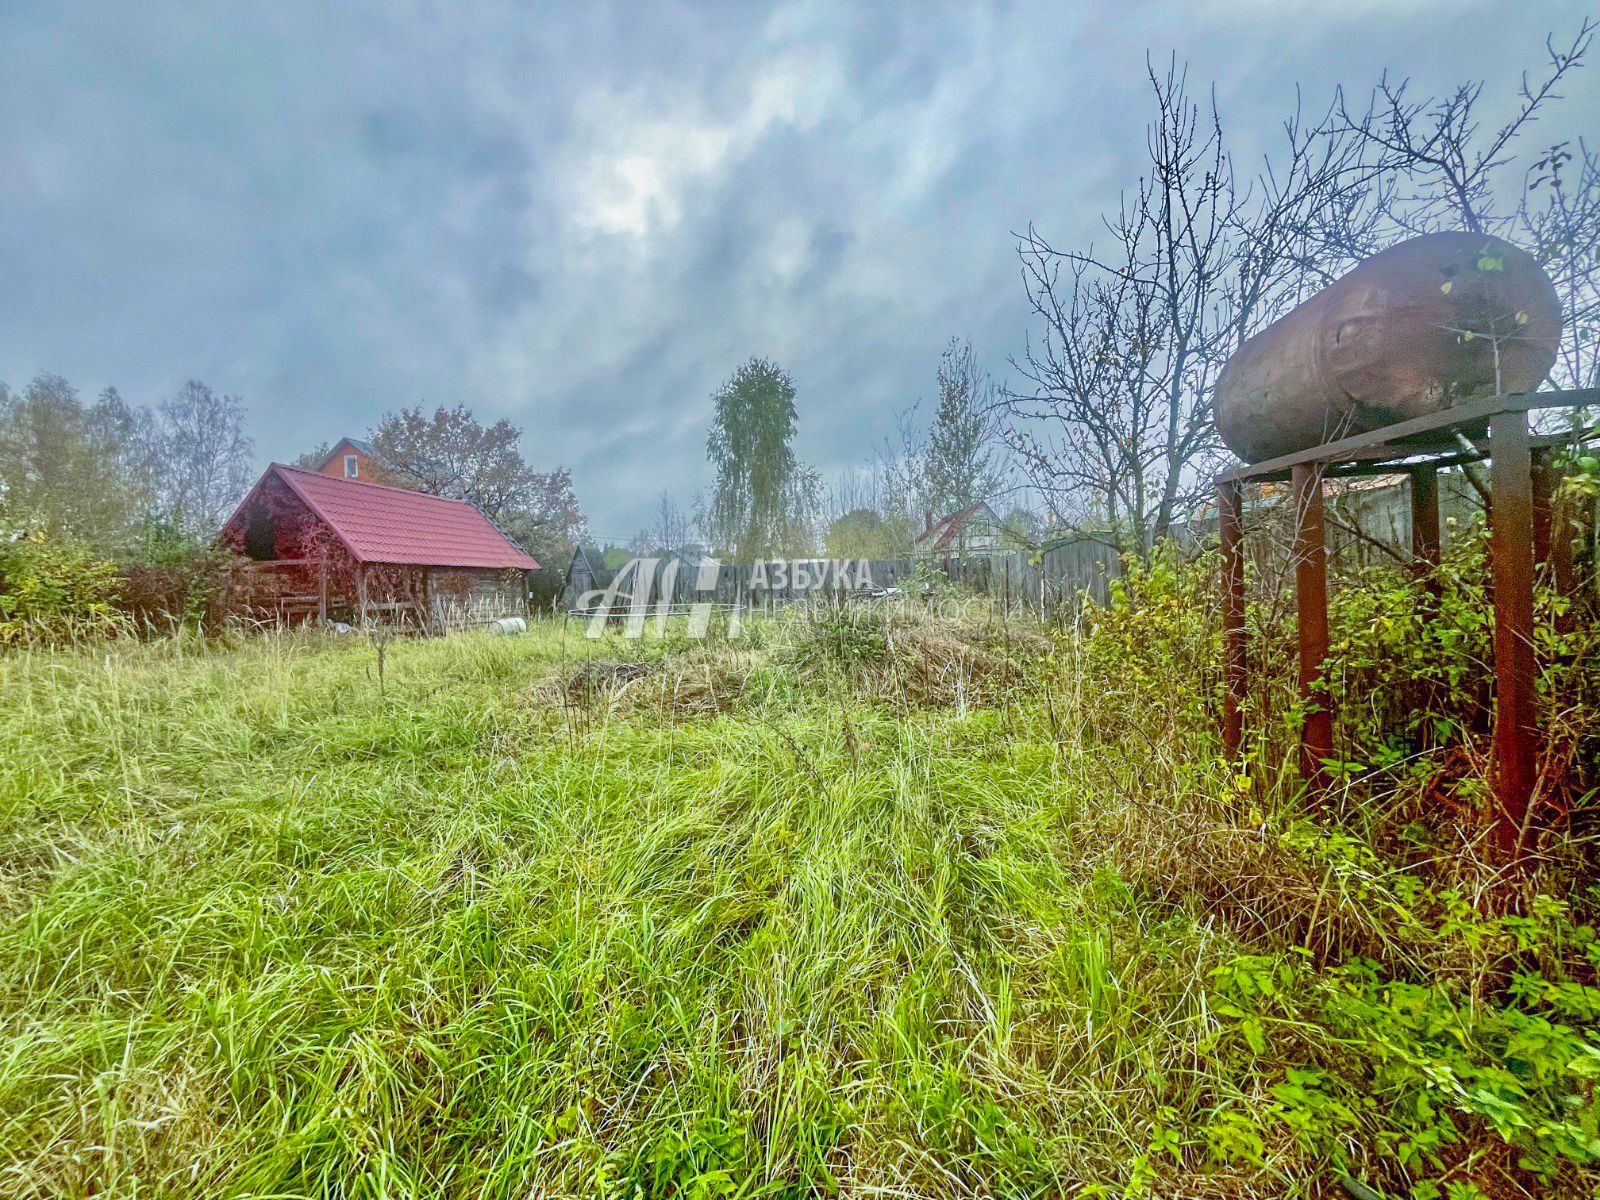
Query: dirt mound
(602, 677)
(701, 682)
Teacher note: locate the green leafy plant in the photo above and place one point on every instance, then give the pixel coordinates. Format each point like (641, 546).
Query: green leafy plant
(54, 590)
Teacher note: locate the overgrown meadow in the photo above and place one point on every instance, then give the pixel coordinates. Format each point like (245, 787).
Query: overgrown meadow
(866, 901)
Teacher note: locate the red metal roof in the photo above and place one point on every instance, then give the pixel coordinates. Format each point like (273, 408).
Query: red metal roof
(381, 524)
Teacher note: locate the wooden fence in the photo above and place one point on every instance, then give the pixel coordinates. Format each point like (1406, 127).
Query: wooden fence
(1367, 525)
(1045, 581)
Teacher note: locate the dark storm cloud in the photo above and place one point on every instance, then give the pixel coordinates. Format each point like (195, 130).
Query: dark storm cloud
(583, 217)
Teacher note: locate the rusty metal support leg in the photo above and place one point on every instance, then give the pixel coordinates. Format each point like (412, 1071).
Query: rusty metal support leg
(1540, 487)
(1311, 594)
(1552, 529)
(1235, 649)
(1511, 567)
(1425, 516)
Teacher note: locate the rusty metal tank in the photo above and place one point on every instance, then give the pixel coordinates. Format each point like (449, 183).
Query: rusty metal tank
(1411, 330)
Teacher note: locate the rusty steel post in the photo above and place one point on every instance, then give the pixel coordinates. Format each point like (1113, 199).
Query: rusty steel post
(1511, 567)
(1311, 595)
(1235, 674)
(1424, 516)
(1539, 461)
(1552, 540)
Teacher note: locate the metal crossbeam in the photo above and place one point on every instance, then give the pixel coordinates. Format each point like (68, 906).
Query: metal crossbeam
(1434, 433)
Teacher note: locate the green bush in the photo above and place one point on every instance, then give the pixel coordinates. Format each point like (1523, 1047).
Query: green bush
(841, 635)
(1421, 1024)
(55, 590)
(1160, 627)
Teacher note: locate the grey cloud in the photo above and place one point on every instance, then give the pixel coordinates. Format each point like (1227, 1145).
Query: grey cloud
(584, 216)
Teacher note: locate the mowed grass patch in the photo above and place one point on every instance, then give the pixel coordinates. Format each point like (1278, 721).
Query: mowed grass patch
(273, 931)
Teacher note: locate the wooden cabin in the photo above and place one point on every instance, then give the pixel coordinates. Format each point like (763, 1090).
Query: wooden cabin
(326, 548)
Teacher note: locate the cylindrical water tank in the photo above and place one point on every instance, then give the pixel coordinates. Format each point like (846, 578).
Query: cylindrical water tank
(1426, 323)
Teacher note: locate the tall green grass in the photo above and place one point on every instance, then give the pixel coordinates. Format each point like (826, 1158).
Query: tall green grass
(268, 929)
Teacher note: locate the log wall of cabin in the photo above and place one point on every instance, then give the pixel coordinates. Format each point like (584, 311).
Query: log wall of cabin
(462, 597)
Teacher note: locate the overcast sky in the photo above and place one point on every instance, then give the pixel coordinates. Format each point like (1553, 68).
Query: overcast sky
(584, 216)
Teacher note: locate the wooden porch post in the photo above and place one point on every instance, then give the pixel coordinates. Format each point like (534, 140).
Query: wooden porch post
(322, 585)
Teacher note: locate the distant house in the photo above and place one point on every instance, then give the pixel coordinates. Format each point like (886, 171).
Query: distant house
(974, 529)
(352, 458)
(587, 572)
(343, 549)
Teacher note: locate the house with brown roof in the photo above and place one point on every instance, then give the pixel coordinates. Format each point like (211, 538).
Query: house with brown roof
(352, 458)
(974, 529)
(334, 549)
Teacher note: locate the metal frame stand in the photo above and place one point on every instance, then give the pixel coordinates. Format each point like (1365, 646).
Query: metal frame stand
(1520, 523)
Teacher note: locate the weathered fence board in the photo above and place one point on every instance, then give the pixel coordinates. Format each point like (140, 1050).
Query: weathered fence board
(1367, 526)
(1055, 579)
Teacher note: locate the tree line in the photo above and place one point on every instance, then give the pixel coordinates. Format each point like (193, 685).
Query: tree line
(124, 479)
(763, 502)
(132, 483)
(1107, 430)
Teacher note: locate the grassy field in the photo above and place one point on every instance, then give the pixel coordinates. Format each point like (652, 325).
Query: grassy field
(838, 909)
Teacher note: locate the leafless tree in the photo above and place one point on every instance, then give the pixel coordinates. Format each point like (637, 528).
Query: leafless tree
(672, 523)
(206, 457)
(1448, 170)
(869, 511)
(901, 466)
(1558, 219)
(855, 489)
(669, 532)
(1432, 164)
(1115, 426)
(890, 483)
(1118, 417)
